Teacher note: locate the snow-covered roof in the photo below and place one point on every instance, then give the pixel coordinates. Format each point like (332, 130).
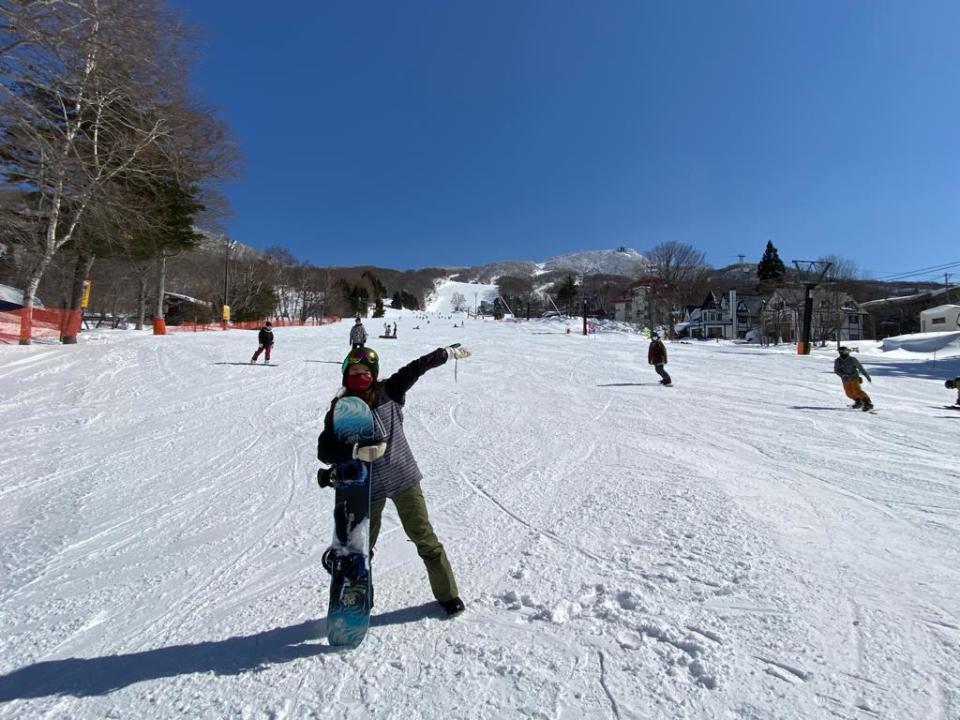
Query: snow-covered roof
(939, 310)
(904, 299)
(14, 296)
(187, 298)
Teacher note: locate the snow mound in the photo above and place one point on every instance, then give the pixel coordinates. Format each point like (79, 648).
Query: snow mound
(922, 342)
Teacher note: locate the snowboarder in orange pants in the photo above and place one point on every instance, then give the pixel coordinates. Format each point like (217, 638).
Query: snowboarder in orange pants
(849, 369)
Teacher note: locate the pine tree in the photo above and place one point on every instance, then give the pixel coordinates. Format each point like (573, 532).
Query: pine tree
(567, 293)
(771, 270)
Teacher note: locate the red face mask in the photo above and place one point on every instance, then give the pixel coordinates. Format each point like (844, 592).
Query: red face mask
(360, 382)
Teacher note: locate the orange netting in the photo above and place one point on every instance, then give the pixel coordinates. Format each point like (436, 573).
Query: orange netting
(42, 323)
(249, 324)
(50, 324)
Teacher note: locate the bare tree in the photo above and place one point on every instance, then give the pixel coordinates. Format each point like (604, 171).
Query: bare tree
(683, 274)
(841, 268)
(458, 302)
(82, 82)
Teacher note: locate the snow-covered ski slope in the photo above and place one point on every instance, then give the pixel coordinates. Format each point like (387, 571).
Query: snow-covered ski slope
(441, 301)
(741, 545)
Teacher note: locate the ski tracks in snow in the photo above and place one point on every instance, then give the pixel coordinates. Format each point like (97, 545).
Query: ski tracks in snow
(625, 550)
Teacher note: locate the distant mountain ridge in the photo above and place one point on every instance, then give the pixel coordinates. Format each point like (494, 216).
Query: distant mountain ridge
(622, 261)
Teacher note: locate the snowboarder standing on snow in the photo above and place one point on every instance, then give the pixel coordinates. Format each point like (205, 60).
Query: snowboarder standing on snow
(395, 475)
(358, 334)
(265, 338)
(657, 356)
(954, 384)
(849, 369)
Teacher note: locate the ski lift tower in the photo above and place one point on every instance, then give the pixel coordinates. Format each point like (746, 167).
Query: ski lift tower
(810, 273)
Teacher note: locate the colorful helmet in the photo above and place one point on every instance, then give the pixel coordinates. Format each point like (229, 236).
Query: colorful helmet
(362, 355)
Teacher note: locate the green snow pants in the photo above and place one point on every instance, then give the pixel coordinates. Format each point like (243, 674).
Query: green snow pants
(412, 509)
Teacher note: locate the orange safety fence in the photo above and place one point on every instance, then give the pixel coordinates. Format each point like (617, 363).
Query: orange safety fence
(41, 324)
(51, 324)
(249, 324)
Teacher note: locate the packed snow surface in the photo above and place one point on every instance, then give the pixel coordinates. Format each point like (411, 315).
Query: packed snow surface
(740, 545)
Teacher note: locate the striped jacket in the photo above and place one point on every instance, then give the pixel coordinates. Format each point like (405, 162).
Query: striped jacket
(358, 335)
(397, 470)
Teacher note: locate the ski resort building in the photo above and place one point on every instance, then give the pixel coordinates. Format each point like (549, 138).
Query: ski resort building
(633, 306)
(777, 317)
(942, 318)
(902, 315)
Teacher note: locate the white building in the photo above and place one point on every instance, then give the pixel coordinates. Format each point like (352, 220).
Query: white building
(633, 306)
(942, 318)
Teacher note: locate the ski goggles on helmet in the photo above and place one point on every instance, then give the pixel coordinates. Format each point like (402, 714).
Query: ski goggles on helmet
(359, 356)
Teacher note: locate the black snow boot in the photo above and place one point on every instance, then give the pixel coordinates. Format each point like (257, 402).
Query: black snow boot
(327, 560)
(452, 607)
(867, 407)
(857, 404)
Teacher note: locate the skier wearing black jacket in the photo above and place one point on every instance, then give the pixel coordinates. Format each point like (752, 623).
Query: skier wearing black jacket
(395, 475)
(954, 384)
(265, 338)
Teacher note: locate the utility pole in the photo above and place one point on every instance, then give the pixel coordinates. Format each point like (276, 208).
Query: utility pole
(811, 267)
(225, 311)
(946, 285)
(226, 268)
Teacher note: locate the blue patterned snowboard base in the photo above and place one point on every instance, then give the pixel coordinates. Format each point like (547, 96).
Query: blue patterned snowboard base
(348, 615)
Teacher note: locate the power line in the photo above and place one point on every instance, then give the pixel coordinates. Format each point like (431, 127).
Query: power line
(922, 271)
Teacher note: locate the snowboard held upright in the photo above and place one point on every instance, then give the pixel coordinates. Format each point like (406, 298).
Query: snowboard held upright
(348, 558)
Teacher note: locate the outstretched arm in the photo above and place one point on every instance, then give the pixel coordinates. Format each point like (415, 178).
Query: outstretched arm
(401, 381)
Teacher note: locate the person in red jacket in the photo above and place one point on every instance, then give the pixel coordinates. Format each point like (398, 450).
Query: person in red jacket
(657, 356)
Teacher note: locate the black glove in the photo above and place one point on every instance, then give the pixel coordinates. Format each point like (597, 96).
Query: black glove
(327, 477)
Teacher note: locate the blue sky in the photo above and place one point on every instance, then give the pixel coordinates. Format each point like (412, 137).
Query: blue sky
(405, 134)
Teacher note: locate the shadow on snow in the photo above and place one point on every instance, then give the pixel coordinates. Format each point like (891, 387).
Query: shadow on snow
(83, 677)
(929, 369)
(625, 384)
(815, 407)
